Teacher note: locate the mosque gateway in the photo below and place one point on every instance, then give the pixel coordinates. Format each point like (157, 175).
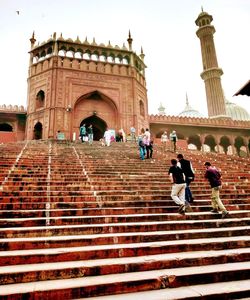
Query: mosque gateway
(74, 82)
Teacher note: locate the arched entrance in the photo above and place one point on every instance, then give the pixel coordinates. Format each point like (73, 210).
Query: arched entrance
(99, 126)
(5, 127)
(38, 131)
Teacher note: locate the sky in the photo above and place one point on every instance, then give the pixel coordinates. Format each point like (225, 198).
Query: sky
(165, 29)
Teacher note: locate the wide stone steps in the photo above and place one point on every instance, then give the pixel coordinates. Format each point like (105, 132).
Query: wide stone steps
(120, 227)
(19, 257)
(25, 243)
(80, 268)
(88, 211)
(79, 221)
(223, 291)
(102, 219)
(126, 282)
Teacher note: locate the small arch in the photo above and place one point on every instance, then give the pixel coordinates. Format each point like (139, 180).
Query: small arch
(6, 127)
(38, 131)
(69, 54)
(142, 108)
(61, 53)
(194, 140)
(239, 144)
(210, 142)
(40, 97)
(225, 143)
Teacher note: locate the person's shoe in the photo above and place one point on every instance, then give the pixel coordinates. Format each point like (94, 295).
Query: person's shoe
(224, 214)
(215, 211)
(188, 208)
(181, 209)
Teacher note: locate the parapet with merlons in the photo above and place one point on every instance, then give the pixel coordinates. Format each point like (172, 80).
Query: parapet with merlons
(208, 122)
(85, 55)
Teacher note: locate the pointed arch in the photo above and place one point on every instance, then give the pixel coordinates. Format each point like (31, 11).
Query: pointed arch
(38, 131)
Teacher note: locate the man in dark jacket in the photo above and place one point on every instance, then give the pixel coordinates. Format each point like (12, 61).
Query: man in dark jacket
(178, 185)
(214, 178)
(187, 168)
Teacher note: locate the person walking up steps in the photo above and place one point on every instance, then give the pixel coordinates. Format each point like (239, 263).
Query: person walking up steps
(214, 178)
(188, 171)
(178, 186)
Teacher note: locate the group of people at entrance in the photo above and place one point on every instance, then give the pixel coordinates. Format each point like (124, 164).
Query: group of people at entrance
(86, 134)
(145, 143)
(172, 138)
(182, 174)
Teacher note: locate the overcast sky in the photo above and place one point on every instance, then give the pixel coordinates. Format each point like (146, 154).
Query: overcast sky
(164, 28)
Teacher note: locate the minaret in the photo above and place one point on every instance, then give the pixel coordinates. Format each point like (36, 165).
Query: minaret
(211, 72)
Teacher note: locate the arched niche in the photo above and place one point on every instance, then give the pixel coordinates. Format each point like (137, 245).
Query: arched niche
(38, 131)
(225, 143)
(6, 127)
(40, 99)
(194, 140)
(210, 142)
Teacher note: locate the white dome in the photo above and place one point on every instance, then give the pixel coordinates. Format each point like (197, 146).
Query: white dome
(236, 112)
(190, 112)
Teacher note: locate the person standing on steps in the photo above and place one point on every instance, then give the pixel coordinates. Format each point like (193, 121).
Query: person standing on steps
(173, 139)
(90, 134)
(178, 186)
(83, 132)
(214, 178)
(147, 140)
(187, 168)
(107, 137)
(164, 140)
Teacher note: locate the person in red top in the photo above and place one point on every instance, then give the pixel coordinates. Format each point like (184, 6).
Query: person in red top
(214, 178)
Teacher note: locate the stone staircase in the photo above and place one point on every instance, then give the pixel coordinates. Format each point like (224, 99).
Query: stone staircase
(80, 221)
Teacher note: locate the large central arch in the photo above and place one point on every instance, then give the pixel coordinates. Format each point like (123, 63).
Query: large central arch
(97, 109)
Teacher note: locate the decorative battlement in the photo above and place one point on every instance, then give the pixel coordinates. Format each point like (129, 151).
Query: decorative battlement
(192, 121)
(88, 51)
(12, 108)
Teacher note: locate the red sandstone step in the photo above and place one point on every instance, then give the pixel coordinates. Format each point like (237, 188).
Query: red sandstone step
(97, 219)
(75, 269)
(127, 282)
(119, 250)
(124, 227)
(88, 211)
(24, 243)
(222, 290)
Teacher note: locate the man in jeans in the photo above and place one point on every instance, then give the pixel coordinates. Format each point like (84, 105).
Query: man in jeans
(214, 178)
(178, 185)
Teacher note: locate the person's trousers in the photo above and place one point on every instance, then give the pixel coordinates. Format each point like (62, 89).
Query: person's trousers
(178, 193)
(216, 201)
(142, 153)
(188, 193)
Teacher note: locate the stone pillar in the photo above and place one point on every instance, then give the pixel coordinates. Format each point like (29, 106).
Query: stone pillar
(202, 139)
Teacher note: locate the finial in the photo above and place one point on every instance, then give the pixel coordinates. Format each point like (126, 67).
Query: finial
(54, 35)
(201, 8)
(130, 40)
(32, 39)
(187, 99)
(142, 55)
